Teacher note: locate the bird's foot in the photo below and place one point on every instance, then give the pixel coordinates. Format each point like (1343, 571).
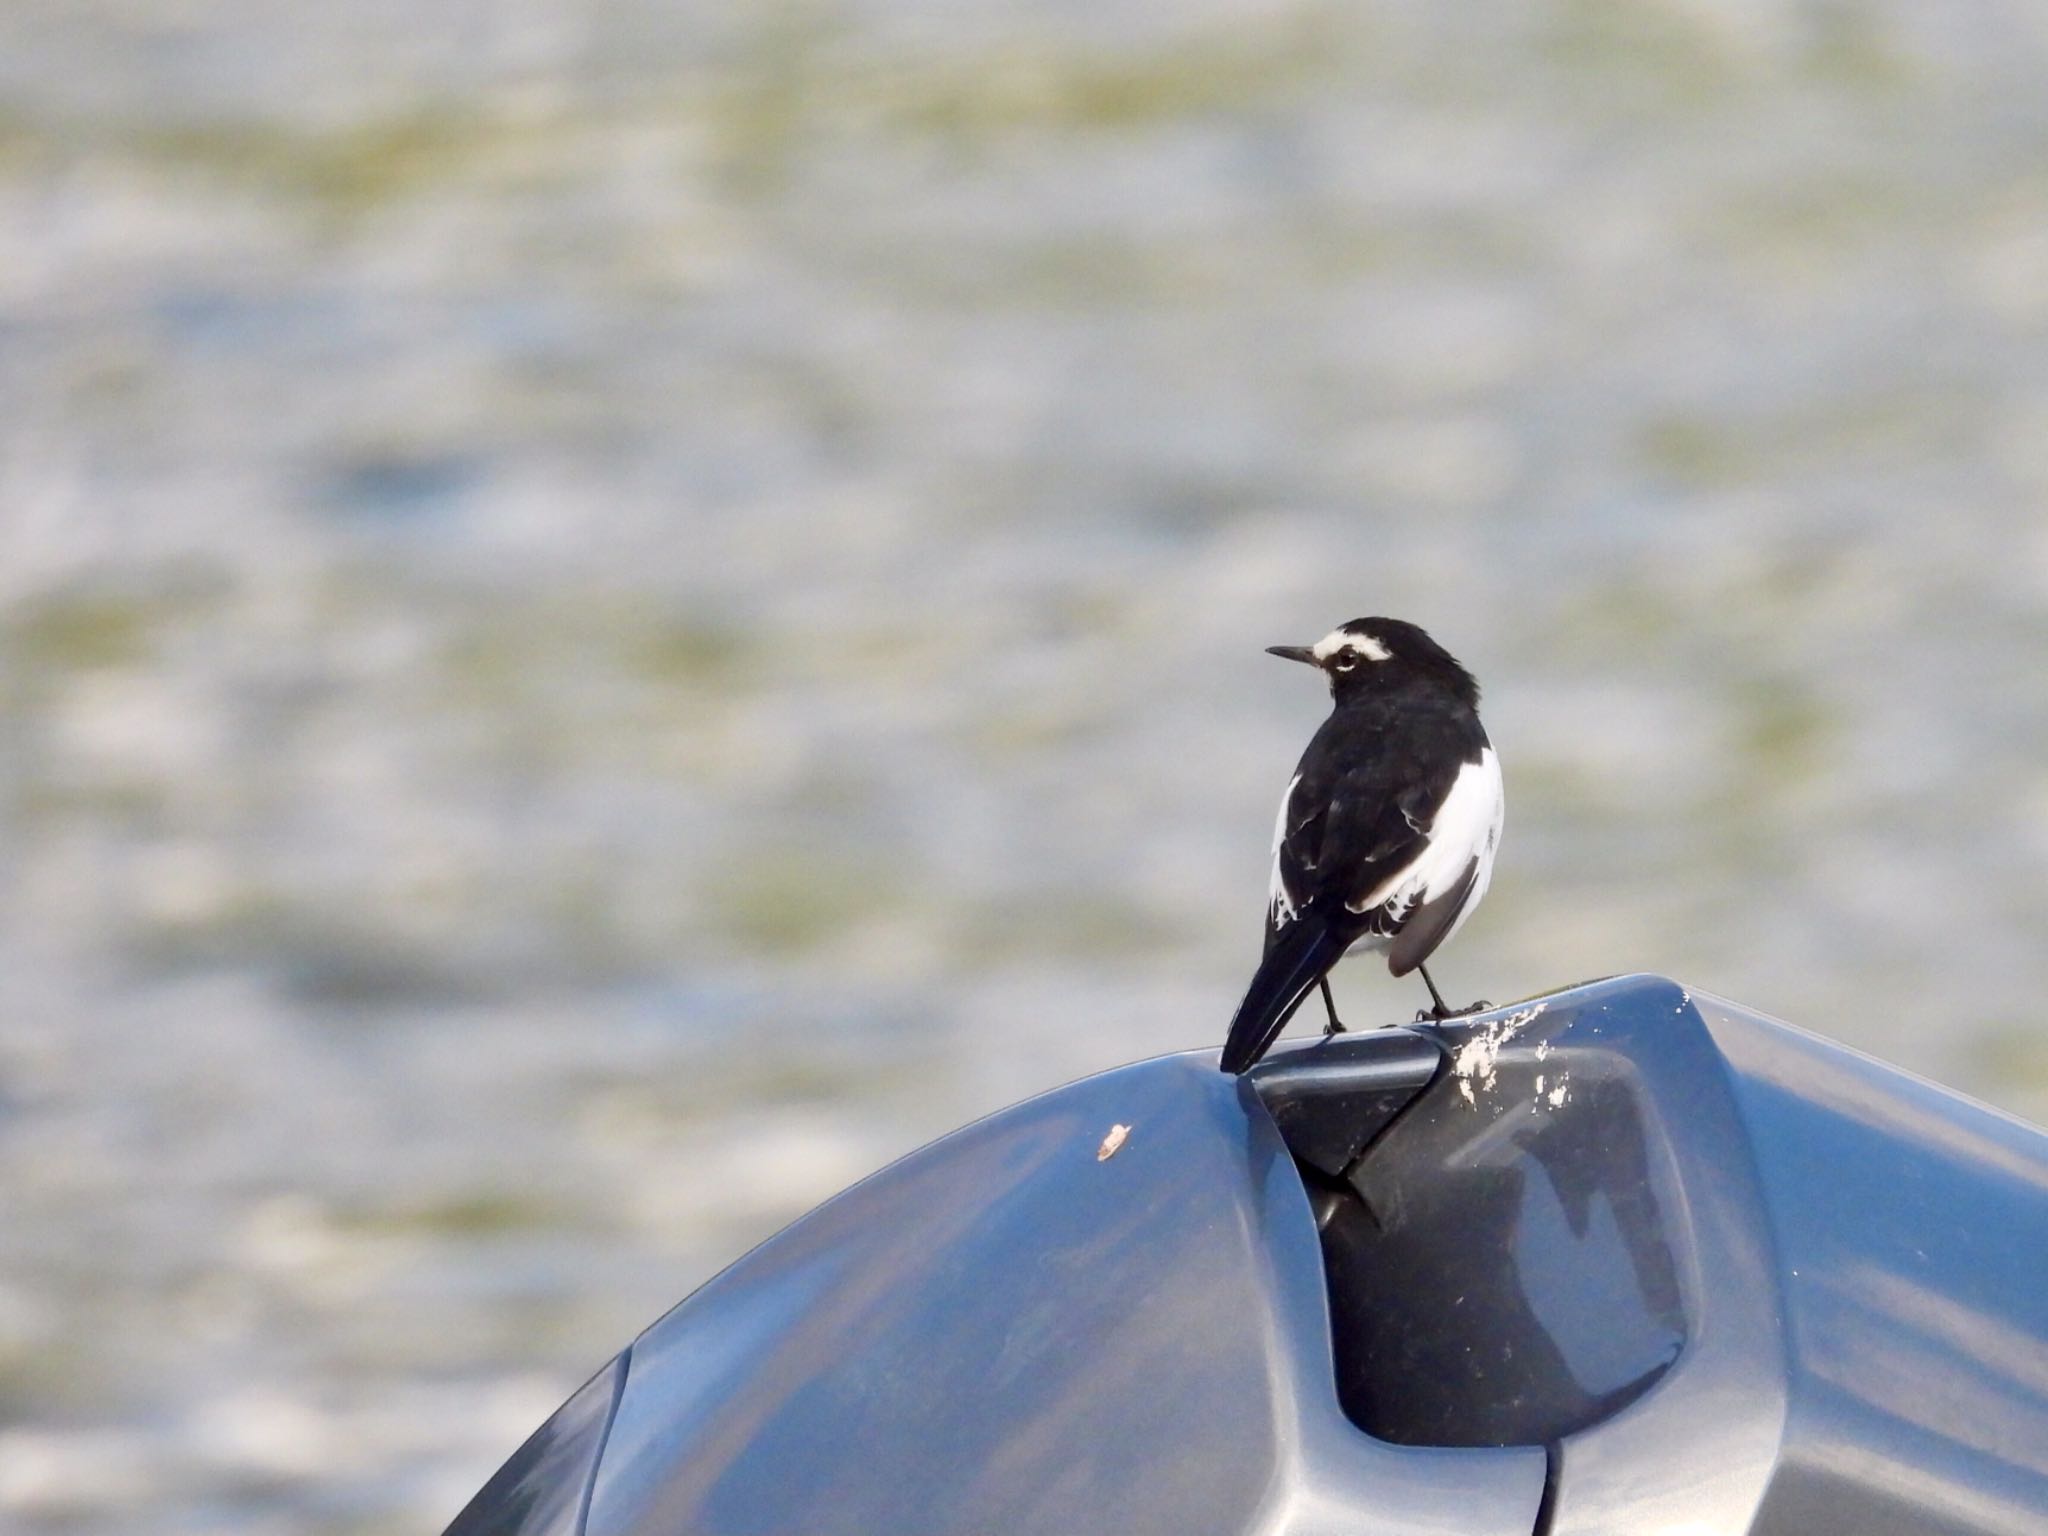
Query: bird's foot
(1336, 1025)
(1439, 1015)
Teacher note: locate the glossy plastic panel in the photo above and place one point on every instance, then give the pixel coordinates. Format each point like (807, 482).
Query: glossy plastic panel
(1738, 1279)
(1737, 1282)
(1912, 1235)
(1507, 1272)
(1560, 1243)
(545, 1488)
(1330, 1100)
(1630, 1061)
(1009, 1332)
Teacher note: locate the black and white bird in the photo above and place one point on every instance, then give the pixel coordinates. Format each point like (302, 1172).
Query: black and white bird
(1387, 831)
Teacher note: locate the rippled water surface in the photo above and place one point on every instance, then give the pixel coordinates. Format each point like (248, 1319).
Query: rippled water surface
(612, 612)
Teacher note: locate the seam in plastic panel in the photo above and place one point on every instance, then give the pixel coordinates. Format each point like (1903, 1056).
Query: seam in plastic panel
(611, 1415)
(1443, 1065)
(1553, 1469)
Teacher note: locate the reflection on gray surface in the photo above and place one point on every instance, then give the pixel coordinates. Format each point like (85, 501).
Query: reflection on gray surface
(1607, 1262)
(1543, 1230)
(544, 1489)
(1850, 1260)
(1009, 1333)
(1913, 1251)
(1614, 1097)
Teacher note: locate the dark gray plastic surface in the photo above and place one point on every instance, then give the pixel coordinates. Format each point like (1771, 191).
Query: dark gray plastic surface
(1006, 1333)
(1912, 1256)
(1736, 1278)
(1546, 1229)
(544, 1489)
(1710, 1274)
(1329, 1101)
(1576, 1255)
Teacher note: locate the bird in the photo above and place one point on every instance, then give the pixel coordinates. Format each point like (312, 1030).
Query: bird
(1387, 831)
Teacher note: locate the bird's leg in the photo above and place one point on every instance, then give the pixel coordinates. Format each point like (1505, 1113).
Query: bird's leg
(1442, 1012)
(1336, 1025)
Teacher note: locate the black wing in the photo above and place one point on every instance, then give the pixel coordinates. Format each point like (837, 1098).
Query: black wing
(1425, 928)
(1360, 813)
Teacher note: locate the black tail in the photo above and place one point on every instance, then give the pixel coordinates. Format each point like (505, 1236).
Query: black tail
(1300, 958)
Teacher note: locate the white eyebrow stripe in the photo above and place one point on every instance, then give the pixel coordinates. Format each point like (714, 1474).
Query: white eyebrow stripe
(1337, 639)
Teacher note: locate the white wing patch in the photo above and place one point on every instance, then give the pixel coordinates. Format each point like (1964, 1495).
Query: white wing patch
(1467, 826)
(1279, 902)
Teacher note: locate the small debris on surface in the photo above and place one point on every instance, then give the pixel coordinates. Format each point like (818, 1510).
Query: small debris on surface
(1558, 1094)
(1118, 1135)
(1476, 1065)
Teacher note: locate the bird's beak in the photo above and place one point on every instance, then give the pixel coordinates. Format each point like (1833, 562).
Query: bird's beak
(1294, 653)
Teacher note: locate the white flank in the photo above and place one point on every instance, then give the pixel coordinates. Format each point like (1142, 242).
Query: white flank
(1467, 826)
(1278, 901)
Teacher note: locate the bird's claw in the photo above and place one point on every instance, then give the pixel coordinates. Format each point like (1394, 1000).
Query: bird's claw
(1334, 1027)
(1436, 1016)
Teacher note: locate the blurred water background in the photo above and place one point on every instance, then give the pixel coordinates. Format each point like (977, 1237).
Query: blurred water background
(612, 612)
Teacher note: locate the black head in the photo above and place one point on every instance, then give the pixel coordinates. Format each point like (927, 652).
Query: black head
(1368, 655)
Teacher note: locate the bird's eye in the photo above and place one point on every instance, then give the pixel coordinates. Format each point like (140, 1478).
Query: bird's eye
(1345, 661)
